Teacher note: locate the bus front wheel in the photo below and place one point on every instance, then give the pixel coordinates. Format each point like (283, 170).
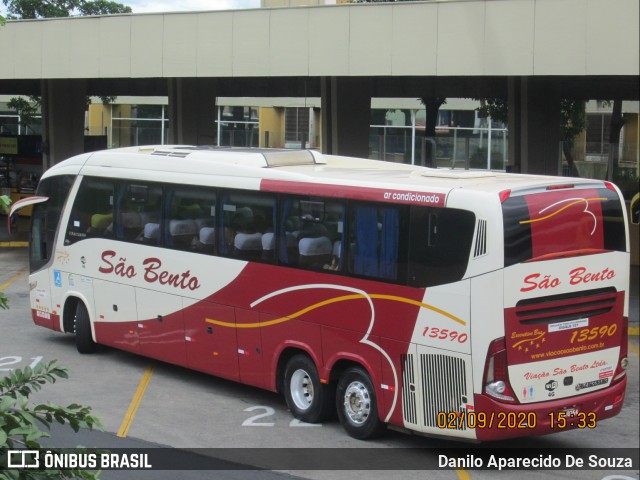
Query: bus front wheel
(84, 340)
(308, 399)
(357, 405)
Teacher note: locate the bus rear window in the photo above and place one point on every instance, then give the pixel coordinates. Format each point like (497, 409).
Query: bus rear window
(557, 222)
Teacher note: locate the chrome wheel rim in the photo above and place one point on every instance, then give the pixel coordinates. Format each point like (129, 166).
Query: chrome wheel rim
(301, 389)
(357, 403)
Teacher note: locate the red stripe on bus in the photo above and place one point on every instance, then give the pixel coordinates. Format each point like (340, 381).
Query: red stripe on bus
(411, 197)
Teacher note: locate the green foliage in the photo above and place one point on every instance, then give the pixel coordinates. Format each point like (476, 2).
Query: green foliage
(23, 425)
(572, 115)
(496, 108)
(102, 7)
(5, 201)
(27, 109)
(4, 302)
(572, 119)
(31, 9)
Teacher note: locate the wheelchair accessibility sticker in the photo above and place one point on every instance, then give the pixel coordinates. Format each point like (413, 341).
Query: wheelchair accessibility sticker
(57, 278)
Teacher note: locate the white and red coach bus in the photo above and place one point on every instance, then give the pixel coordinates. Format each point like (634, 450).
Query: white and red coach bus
(469, 304)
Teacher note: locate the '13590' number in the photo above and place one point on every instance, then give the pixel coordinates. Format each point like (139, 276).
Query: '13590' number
(587, 334)
(444, 334)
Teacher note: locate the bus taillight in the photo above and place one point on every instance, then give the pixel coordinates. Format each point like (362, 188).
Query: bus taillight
(623, 360)
(496, 378)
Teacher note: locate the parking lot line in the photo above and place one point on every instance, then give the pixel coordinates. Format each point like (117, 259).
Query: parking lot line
(16, 277)
(463, 474)
(135, 402)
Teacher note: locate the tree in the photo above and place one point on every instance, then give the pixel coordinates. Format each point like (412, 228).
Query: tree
(573, 121)
(572, 115)
(431, 107)
(102, 7)
(20, 423)
(32, 9)
(26, 109)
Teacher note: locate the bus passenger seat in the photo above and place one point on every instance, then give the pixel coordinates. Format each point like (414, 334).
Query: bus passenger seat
(336, 254)
(248, 245)
(315, 252)
(151, 232)
(207, 238)
(268, 246)
(130, 225)
(203, 222)
(181, 233)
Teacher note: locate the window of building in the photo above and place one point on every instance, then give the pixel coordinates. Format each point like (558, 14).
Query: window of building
(238, 126)
(133, 125)
(296, 127)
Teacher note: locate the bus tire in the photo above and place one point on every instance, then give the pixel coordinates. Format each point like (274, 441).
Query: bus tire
(357, 405)
(84, 340)
(308, 399)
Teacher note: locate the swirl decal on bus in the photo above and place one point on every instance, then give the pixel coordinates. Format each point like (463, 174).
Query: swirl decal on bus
(356, 294)
(573, 201)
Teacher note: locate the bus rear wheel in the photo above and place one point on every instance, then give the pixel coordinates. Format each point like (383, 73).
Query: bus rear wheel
(357, 405)
(84, 339)
(308, 399)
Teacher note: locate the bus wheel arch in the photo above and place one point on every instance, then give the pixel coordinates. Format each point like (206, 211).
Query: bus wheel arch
(77, 320)
(309, 399)
(69, 314)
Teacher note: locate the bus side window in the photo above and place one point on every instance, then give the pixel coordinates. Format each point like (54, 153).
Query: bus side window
(92, 212)
(190, 219)
(375, 245)
(248, 226)
(311, 233)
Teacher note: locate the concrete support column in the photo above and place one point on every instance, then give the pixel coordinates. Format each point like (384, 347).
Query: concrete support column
(514, 123)
(534, 115)
(346, 115)
(64, 103)
(192, 111)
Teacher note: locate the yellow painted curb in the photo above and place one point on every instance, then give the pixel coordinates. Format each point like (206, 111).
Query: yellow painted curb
(634, 331)
(14, 244)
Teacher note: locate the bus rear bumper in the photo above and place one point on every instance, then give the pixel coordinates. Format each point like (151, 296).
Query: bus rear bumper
(510, 421)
